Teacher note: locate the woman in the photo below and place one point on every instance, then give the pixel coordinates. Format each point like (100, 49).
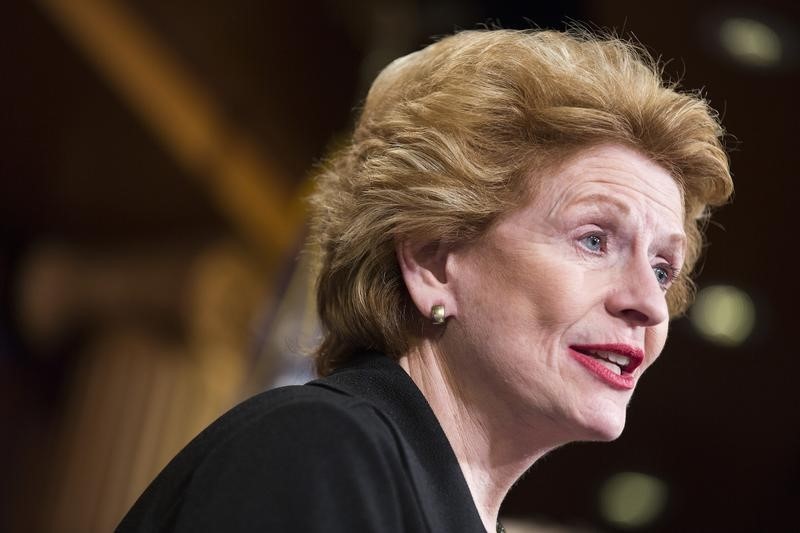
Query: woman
(502, 245)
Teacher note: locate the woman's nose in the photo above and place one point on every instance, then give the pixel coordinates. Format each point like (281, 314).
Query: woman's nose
(637, 297)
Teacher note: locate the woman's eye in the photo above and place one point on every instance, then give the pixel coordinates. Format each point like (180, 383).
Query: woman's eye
(664, 275)
(594, 243)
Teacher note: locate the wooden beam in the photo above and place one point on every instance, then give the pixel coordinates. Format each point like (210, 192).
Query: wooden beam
(251, 190)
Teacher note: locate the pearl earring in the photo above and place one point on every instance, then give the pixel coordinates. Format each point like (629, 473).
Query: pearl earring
(437, 314)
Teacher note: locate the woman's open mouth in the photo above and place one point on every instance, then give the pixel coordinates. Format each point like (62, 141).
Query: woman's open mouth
(611, 363)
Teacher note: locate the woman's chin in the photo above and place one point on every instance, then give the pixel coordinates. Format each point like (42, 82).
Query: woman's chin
(608, 434)
(602, 427)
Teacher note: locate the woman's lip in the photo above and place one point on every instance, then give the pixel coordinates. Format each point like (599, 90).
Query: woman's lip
(636, 355)
(624, 381)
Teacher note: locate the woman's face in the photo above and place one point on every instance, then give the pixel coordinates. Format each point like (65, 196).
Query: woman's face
(561, 306)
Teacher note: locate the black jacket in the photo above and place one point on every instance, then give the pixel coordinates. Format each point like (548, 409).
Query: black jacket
(358, 451)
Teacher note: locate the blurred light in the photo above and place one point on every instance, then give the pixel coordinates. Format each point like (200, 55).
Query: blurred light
(751, 42)
(723, 314)
(631, 500)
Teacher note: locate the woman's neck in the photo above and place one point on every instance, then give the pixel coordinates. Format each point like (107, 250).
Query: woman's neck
(492, 454)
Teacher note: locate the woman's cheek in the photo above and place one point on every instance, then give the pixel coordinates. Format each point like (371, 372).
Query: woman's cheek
(655, 339)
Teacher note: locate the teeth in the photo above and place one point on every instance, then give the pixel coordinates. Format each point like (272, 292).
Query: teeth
(622, 360)
(611, 366)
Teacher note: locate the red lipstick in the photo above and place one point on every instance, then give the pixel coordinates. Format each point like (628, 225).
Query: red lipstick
(600, 359)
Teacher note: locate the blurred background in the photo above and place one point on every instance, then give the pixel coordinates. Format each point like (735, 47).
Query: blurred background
(153, 162)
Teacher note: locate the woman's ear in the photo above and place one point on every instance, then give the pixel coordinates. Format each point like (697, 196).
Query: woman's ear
(424, 269)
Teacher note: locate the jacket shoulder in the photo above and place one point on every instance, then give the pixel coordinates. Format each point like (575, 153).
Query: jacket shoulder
(284, 458)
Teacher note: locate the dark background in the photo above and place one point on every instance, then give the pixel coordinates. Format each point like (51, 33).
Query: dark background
(87, 179)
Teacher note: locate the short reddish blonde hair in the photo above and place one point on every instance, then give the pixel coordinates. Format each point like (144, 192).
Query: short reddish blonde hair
(447, 141)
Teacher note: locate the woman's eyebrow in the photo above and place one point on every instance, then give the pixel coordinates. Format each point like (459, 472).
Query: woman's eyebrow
(676, 239)
(597, 199)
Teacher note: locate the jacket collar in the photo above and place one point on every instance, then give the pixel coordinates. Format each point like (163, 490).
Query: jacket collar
(443, 492)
